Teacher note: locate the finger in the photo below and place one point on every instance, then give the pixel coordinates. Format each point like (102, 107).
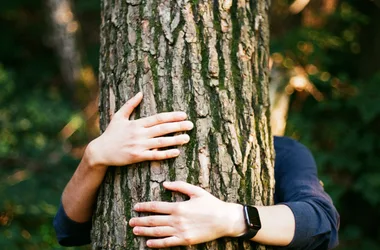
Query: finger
(162, 118)
(162, 142)
(154, 231)
(184, 188)
(165, 242)
(157, 155)
(167, 128)
(130, 105)
(150, 221)
(159, 207)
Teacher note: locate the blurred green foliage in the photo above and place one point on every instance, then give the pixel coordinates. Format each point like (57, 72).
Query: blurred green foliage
(35, 105)
(337, 48)
(339, 52)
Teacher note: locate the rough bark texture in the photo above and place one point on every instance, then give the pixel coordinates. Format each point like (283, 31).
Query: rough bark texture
(209, 59)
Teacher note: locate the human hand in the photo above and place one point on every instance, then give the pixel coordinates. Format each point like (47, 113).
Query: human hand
(201, 219)
(130, 141)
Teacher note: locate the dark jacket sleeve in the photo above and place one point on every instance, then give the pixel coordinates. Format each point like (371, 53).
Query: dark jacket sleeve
(298, 187)
(69, 232)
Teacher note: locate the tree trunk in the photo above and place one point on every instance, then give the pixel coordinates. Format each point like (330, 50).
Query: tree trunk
(209, 59)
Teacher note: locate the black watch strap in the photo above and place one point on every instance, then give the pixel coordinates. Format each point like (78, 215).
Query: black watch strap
(252, 221)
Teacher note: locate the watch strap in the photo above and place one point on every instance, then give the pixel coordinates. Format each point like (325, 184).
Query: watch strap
(249, 234)
(252, 221)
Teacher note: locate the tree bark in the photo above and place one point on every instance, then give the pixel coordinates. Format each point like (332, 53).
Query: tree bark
(209, 59)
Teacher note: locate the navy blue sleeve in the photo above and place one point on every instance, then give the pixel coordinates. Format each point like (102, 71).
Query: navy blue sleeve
(298, 187)
(69, 232)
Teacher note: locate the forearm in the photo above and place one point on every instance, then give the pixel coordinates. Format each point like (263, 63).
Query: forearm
(79, 195)
(277, 224)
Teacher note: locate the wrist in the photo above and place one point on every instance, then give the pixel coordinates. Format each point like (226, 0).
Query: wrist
(252, 222)
(91, 156)
(235, 220)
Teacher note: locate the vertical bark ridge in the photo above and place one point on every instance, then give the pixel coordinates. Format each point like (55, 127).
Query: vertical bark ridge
(207, 58)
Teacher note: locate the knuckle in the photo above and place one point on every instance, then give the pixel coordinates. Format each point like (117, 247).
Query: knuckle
(150, 222)
(129, 104)
(156, 156)
(158, 130)
(159, 118)
(180, 223)
(160, 142)
(166, 243)
(153, 207)
(134, 154)
(188, 239)
(157, 232)
(132, 137)
(167, 155)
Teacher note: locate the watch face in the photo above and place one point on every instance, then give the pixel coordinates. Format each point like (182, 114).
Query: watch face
(252, 216)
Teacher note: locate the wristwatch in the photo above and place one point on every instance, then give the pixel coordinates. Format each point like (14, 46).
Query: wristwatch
(252, 221)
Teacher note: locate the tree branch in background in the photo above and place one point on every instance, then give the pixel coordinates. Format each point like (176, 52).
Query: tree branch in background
(76, 121)
(279, 99)
(64, 28)
(282, 86)
(297, 6)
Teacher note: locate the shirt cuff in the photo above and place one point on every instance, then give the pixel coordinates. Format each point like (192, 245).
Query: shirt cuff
(69, 232)
(305, 226)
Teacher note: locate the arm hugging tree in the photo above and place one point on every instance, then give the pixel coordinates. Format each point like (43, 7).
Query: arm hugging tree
(210, 60)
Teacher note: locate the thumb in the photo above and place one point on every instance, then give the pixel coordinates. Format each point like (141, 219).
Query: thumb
(184, 188)
(127, 109)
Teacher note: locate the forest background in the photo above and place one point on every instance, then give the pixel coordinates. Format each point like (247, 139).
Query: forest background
(325, 56)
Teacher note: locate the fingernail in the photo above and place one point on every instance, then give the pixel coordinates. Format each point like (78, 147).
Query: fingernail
(183, 115)
(136, 207)
(130, 222)
(190, 125)
(186, 138)
(176, 152)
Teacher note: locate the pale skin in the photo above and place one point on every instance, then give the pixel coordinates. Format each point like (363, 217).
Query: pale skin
(200, 219)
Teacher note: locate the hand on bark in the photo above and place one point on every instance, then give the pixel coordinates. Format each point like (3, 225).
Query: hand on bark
(201, 219)
(130, 141)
